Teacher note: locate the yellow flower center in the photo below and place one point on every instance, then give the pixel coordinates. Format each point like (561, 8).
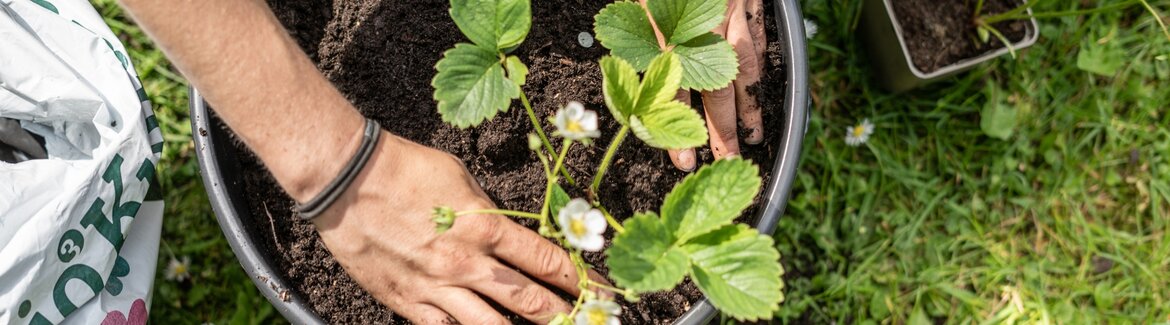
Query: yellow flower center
(577, 226)
(573, 126)
(180, 269)
(858, 131)
(597, 316)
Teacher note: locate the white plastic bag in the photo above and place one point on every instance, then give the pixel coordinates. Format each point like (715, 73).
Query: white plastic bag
(79, 231)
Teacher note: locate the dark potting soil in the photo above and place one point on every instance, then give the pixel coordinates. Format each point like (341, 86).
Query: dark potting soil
(381, 55)
(942, 32)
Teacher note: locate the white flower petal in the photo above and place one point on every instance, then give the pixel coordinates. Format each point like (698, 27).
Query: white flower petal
(595, 222)
(591, 243)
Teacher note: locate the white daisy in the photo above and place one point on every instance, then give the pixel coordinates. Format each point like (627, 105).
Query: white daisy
(810, 28)
(574, 122)
(582, 225)
(599, 312)
(179, 270)
(859, 134)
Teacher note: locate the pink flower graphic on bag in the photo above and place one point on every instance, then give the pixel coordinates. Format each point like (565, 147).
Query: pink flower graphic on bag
(137, 315)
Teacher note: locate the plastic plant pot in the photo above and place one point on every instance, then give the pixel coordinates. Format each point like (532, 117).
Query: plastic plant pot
(221, 171)
(886, 47)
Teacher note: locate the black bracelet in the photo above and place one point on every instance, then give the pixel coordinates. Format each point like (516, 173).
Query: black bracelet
(331, 192)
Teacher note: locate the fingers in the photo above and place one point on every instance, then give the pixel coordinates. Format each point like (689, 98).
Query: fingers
(748, 109)
(720, 111)
(519, 294)
(468, 308)
(423, 314)
(755, 10)
(684, 159)
(537, 257)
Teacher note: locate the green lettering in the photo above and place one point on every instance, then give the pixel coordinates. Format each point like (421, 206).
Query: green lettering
(121, 269)
(71, 243)
(81, 272)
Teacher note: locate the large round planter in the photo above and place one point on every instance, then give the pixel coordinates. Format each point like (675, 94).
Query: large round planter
(221, 172)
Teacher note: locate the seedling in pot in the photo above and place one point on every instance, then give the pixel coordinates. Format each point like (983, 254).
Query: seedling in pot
(983, 22)
(694, 232)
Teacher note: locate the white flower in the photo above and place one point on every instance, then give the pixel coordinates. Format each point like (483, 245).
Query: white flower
(810, 28)
(582, 225)
(856, 135)
(599, 312)
(574, 122)
(179, 270)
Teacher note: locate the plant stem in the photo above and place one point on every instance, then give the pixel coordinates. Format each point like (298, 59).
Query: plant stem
(510, 213)
(609, 218)
(552, 180)
(609, 153)
(607, 287)
(1157, 18)
(540, 132)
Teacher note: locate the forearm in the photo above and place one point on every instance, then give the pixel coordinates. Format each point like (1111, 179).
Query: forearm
(260, 83)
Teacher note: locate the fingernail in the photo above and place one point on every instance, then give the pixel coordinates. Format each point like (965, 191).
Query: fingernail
(686, 160)
(755, 136)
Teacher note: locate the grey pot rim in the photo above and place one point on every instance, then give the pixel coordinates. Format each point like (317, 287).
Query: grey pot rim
(224, 197)
(964, 64)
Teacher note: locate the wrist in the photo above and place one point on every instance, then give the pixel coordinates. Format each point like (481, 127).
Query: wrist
(306, 167)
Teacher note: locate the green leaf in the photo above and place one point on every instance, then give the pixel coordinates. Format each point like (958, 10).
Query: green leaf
(517, 71)
(708, 61)
(1101, 59)
(624, 29)
(493, 24)
(620, 86)
(683, 20)
(739, 271)
(710, 198)
(471, 87)
(670, 126)
(557, 200)
(660, 83)
(644, 257)
(998, 119)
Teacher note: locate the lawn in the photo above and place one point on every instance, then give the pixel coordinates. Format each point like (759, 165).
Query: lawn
(1062, 217)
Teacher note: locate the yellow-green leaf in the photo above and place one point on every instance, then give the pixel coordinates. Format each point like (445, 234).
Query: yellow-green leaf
(620, 87)
(673, 125)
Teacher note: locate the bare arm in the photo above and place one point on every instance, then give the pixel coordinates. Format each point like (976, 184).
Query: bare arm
(260, 83)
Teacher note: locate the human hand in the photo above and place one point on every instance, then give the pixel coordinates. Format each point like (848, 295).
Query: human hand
(723, 105)
(381, 232)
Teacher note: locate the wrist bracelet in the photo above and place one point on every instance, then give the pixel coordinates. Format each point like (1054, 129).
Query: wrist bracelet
(331, 192)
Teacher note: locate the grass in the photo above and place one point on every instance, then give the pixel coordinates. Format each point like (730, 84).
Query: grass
(1064, 220)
